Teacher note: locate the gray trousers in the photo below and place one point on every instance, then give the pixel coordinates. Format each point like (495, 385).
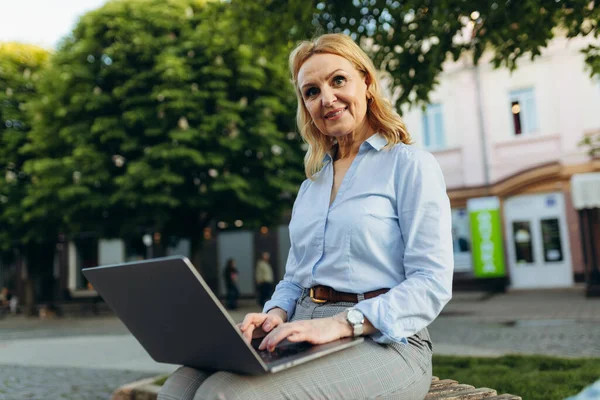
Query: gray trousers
(365, 371)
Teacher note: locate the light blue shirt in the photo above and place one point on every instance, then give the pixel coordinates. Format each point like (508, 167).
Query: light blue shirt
(389, 226)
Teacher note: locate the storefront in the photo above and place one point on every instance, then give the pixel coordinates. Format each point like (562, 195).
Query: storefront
(528, 225)
(537, 241)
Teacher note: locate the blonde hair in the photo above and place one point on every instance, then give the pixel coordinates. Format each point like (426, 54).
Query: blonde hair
(380, 112)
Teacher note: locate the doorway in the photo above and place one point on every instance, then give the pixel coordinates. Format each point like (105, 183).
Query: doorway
(537, 241)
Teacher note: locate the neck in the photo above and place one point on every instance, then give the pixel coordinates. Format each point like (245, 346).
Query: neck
(349, 145)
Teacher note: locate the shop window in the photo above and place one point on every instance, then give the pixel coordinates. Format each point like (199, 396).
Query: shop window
(551, 240)
(461, 240)
(523, 242)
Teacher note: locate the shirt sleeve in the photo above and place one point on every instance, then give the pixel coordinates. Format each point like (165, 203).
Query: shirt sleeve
(287, 292)
(426, 227)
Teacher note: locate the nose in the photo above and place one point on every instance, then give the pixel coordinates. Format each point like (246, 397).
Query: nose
(328, 98)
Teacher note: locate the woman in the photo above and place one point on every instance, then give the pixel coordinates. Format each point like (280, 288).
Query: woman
(371, 247)
(230, 276)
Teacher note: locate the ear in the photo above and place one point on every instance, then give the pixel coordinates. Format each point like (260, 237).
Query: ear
(367, 79)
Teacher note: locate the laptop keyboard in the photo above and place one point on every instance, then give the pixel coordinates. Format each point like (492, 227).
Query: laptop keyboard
(283, 351)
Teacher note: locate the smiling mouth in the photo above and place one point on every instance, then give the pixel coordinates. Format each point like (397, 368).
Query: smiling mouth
(336, 113)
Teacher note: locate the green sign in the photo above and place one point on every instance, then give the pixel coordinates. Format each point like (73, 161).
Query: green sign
(487, 247)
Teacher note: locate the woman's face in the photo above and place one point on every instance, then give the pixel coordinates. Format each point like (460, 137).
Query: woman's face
(335, 94)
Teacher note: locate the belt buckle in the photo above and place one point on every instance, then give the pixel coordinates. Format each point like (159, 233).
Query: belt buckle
(311, 294)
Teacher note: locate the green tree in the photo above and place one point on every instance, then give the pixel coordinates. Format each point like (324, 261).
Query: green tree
(155, 116)
(410, 40)
(20, 67)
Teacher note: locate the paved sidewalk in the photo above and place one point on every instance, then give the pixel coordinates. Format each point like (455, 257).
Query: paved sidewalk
(522, 305)
(87, 358)
(516, 305)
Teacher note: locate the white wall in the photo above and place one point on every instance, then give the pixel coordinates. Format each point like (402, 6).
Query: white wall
(567, 104)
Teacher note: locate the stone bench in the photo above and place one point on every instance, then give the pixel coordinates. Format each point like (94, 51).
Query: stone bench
(441, 389)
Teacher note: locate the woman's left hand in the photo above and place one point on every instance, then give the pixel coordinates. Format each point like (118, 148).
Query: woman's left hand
(315, 331)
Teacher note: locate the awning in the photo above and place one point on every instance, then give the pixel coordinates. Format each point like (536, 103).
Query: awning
(585, 189)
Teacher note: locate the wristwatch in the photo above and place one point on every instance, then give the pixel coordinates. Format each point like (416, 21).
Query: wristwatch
(356, 319)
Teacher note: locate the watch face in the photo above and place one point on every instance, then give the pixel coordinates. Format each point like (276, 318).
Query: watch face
(355, 317)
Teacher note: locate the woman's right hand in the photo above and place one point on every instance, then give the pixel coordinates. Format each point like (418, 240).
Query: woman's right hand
(256, 325)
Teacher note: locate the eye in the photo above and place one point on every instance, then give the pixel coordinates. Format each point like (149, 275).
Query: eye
(312, 91)
(339, 80)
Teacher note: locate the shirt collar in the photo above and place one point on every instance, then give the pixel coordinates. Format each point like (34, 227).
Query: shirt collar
(376, 141)
(329, 154)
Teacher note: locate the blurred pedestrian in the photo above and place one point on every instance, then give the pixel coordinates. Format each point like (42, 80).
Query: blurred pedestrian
(230, 276)
(264, 278)
(4, 301)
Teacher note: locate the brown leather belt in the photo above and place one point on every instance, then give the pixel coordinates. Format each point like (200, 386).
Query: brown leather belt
(324, 294)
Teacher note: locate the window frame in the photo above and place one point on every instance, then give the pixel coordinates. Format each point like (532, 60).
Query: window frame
(528, 117)
(434, 138)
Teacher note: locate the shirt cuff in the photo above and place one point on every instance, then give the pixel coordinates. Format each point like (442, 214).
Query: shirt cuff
(382, 338)
(384, 334)
(285, 297)
(288, 306)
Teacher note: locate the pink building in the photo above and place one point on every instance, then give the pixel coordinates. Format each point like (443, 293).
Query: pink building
(515, 136)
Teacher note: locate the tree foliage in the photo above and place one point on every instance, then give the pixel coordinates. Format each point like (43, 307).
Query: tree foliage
(154, 115)
(410, 40)
(20, 66)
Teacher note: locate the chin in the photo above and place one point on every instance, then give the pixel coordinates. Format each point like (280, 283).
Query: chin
(338, 133)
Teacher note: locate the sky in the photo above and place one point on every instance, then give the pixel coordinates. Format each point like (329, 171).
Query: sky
(41, 22)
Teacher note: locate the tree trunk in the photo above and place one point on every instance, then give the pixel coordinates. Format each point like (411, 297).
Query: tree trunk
(30, 308)
(39, 285)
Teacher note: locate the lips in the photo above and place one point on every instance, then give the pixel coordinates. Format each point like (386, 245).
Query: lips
(335, 113)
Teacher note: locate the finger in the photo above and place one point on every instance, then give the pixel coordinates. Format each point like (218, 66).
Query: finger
(271, 340)
(244, 324)
(263, 343)
(282, 332)
(252, 319)
(267, 340)
(298, 337)
(248, 333)
(270, 323)
(248, 320)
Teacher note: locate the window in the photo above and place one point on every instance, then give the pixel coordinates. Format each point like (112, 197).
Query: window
(433, 128)
(523, 111)
(551, 239)
(523, 242)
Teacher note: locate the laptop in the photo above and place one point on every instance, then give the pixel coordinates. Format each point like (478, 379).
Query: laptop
(171, 311)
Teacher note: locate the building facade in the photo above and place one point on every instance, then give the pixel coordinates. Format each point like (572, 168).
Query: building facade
(514, 137)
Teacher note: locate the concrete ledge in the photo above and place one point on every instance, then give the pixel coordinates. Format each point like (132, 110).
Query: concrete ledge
(446, 389)
(144, 389)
